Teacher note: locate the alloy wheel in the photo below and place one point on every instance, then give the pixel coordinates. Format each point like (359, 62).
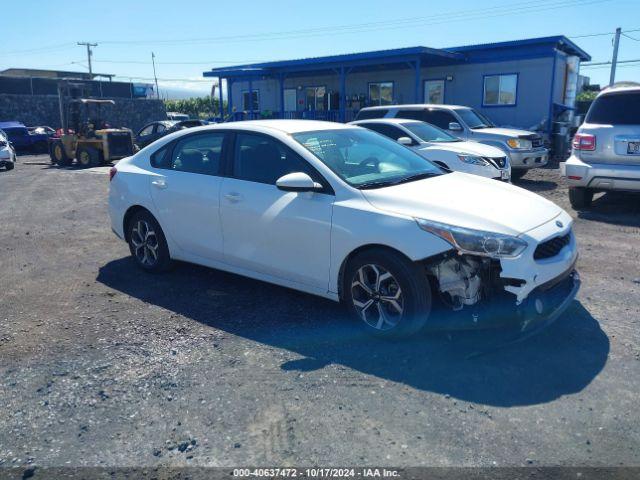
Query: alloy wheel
(145, 243)
(377, 297)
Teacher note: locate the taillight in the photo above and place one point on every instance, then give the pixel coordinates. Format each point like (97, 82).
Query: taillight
(584, 141)
(112, 173)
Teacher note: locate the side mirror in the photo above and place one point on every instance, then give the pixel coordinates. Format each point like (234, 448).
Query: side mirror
(297, 182)
(405, 141)
(455, 127)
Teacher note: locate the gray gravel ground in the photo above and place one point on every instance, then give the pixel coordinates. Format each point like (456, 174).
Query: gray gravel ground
(102, 364)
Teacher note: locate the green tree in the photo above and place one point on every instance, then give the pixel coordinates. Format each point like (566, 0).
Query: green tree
(197, 107)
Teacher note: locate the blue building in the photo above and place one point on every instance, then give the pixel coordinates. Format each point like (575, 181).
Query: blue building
(522, 83)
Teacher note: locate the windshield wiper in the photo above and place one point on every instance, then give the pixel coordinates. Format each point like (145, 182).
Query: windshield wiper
(417, 176)
(477, 127)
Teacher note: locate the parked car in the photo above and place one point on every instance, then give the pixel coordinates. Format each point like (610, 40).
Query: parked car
(347, 214)
(155, 130)
(177, 116)
(442, 148)
(606, 148)
(7, 153)
(17, 134)
(525, 149)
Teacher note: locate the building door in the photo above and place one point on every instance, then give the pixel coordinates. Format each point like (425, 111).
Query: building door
(290, 100)
(434, 91)
(316, 98)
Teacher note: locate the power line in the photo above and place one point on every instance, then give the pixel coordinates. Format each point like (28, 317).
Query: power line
(518, 8)
(89, 54)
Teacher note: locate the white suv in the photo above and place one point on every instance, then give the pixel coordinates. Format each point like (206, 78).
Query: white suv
(606, 148)
(347, 214)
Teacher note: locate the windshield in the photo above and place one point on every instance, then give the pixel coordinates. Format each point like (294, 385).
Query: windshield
(365, 159)
(474, 119)
(429, 133)
(616, 109)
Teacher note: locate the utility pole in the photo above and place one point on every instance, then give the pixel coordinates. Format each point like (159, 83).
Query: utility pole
(153, 61)
(89, 55)
(614, 60)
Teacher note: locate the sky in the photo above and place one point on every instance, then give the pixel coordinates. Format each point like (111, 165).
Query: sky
(189, 37)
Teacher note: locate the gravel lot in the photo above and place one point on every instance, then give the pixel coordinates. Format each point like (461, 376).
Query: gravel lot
(103, 365)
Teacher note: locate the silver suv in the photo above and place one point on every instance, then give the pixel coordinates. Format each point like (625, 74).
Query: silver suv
(606, 149)
(525, 149)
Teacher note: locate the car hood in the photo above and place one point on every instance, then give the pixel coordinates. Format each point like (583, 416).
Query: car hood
(505, 132)
(464, 147)
(467, 201)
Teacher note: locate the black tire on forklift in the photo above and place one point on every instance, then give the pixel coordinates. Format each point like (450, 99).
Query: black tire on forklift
(87, 157)
(58, 155)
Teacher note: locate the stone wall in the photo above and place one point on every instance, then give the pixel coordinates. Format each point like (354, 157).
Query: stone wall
(35, 110)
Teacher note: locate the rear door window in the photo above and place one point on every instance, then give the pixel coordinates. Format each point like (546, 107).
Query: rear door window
(390, 131)
(370, 114)
(439, 118)
(616, 109)
(200, 153)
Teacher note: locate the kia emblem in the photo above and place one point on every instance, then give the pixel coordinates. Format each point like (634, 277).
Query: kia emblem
(559, 224)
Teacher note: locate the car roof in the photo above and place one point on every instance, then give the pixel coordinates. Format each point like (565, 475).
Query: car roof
(285, 126)
(392, 121)
(419, 105)
(5, 125)
(622, 87)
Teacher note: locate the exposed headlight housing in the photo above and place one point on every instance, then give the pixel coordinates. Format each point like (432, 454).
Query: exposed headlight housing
(473, 160)
(520, 144)
(477, 242)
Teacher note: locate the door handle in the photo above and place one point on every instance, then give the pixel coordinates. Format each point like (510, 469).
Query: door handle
(160, 183)
(233, 197)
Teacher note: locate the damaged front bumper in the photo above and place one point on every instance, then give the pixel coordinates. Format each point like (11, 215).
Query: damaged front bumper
(526, 292)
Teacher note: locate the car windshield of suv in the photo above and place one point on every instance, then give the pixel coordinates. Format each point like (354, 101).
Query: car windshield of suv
(429, 133)
(475, 120)
(365, 159)
(616, 109)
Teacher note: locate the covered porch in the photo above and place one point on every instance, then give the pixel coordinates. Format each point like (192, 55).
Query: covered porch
(330, 88)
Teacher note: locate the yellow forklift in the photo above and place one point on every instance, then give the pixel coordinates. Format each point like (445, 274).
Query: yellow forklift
(86, 138)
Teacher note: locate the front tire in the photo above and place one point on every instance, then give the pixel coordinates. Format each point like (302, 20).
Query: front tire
(147, 243)
(9, 166)
(518, 173)
(87, 157)
(580, 197)
(387, 293)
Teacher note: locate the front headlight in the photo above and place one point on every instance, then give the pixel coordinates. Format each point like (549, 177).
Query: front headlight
(519, 144)
(473, 160)
(477, 242)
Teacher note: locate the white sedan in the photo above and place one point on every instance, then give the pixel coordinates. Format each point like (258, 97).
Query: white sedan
(7, 153)
(344, 213)
(436, 145)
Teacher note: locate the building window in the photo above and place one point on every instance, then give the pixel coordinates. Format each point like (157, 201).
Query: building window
(500, 89)
(380, 93)
(246, 103)
(316, 98)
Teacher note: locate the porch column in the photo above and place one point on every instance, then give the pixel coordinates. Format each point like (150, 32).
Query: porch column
(418, 95)
(250, 98)
(220, 95)
(229, 100)
(343, 94)
(281, 79)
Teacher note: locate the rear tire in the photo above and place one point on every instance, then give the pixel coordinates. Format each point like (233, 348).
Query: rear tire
(580, 197)
(8, 166)
(87, 157)
(518, 173)
(58, 155)
(387, 293)
(147, 243)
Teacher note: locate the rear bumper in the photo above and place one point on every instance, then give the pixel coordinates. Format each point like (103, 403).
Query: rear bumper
(601, 176)
(529, 159)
